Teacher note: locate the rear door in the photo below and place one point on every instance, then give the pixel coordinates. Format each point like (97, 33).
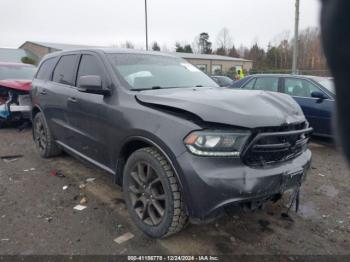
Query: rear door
(318, 112)
(56, 93)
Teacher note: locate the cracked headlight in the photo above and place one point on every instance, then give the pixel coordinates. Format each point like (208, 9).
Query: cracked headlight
(217, 143)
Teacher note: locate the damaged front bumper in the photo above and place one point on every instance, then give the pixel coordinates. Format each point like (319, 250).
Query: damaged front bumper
(210, 184)
(16, 107)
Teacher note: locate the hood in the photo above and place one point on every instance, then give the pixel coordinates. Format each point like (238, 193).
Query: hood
(245, 108)
(20, 85)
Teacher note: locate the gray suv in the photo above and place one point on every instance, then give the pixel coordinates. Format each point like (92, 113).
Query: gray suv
(182, 148)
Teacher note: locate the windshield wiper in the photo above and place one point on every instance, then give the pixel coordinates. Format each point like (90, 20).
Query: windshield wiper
(143, 89)
(161, 87)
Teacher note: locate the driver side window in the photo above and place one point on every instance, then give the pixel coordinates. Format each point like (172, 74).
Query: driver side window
(89, 65)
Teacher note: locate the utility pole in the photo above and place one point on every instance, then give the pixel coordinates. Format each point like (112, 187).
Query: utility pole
(146, 23)
(296, 38)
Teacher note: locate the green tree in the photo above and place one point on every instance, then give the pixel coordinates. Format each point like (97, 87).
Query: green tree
(272, 55)
(155, 47)
(204, 44)
(220, 51)
(179, 48)
(28, 60)
(187, 49)
(257, 54)
(233, 52)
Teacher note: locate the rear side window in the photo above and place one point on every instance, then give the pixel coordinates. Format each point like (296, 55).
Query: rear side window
(65, 70)
(89, 65)
(45, 70)
(266, 84)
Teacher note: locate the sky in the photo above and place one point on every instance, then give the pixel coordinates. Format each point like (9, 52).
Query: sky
(112, 22)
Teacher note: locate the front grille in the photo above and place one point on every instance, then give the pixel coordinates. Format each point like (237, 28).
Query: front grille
(274, 145)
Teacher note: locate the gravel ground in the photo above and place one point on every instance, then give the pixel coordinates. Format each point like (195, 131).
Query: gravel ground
(37, 215)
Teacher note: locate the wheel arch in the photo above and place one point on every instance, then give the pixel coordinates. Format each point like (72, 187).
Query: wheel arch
(35, 109)
(133, 143)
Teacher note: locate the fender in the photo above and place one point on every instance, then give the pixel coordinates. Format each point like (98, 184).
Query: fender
(164, 149)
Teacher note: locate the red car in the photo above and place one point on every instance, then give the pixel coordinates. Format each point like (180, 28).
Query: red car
(15, 83)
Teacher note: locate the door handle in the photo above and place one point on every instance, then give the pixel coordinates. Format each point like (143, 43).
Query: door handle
(72, 99)
(43, 92)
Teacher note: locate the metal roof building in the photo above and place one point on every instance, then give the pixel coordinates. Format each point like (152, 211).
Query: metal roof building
(15, 55)
(41, 49)
(211, 64)
(216, 64)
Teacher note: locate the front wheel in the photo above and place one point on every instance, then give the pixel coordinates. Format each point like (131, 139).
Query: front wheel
(152, 194)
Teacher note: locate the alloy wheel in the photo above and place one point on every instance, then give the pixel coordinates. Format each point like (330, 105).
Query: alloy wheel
(147, 193)
(40, 135)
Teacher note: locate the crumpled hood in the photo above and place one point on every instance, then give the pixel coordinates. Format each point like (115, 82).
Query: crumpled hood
(245, 108)
(20, 85)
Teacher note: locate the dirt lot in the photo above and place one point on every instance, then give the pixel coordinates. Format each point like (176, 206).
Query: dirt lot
(37, 216)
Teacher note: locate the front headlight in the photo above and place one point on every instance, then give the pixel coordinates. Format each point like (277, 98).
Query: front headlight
(217, 143)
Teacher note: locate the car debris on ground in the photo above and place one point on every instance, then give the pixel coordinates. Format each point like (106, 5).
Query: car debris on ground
(91, 179)
(123, 238)
(79, 207)
(10, 158)
(30, 169)
(57, 173)
(83, 201)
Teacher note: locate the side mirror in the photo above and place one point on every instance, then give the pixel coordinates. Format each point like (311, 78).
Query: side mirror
(91, 84)
(317, 94)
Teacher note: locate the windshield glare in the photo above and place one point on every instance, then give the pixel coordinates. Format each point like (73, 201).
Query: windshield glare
(143, 71)
(328, 84)
(17, 72)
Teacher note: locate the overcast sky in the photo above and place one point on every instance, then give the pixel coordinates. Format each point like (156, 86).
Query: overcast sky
(108, 22)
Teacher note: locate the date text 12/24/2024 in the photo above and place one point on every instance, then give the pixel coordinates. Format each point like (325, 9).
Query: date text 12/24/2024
(173, 258)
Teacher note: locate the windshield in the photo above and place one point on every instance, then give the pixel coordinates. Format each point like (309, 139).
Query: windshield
(327, 83)
(16, 72)
(143, 71)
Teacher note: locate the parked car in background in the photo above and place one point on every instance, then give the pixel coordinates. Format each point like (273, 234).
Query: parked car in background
(315, 95)
(223, 81)
(15, 83)
(181, 147)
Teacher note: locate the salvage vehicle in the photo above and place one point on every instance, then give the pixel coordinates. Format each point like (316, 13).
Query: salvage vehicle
(15, 83)
(182, 148)
(314, 94)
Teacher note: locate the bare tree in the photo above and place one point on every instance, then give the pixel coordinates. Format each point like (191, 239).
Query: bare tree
(224, 40)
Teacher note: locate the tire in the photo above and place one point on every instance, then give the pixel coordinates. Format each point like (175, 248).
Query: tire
(148, 167)
(43, 139)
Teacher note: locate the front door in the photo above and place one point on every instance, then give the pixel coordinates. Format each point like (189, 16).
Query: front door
(88, 115)
(318, 112)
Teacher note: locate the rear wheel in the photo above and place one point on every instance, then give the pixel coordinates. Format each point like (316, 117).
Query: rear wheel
(43, 138)
(152, 194)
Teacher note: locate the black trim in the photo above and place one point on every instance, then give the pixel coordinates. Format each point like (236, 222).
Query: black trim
(253, 154)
